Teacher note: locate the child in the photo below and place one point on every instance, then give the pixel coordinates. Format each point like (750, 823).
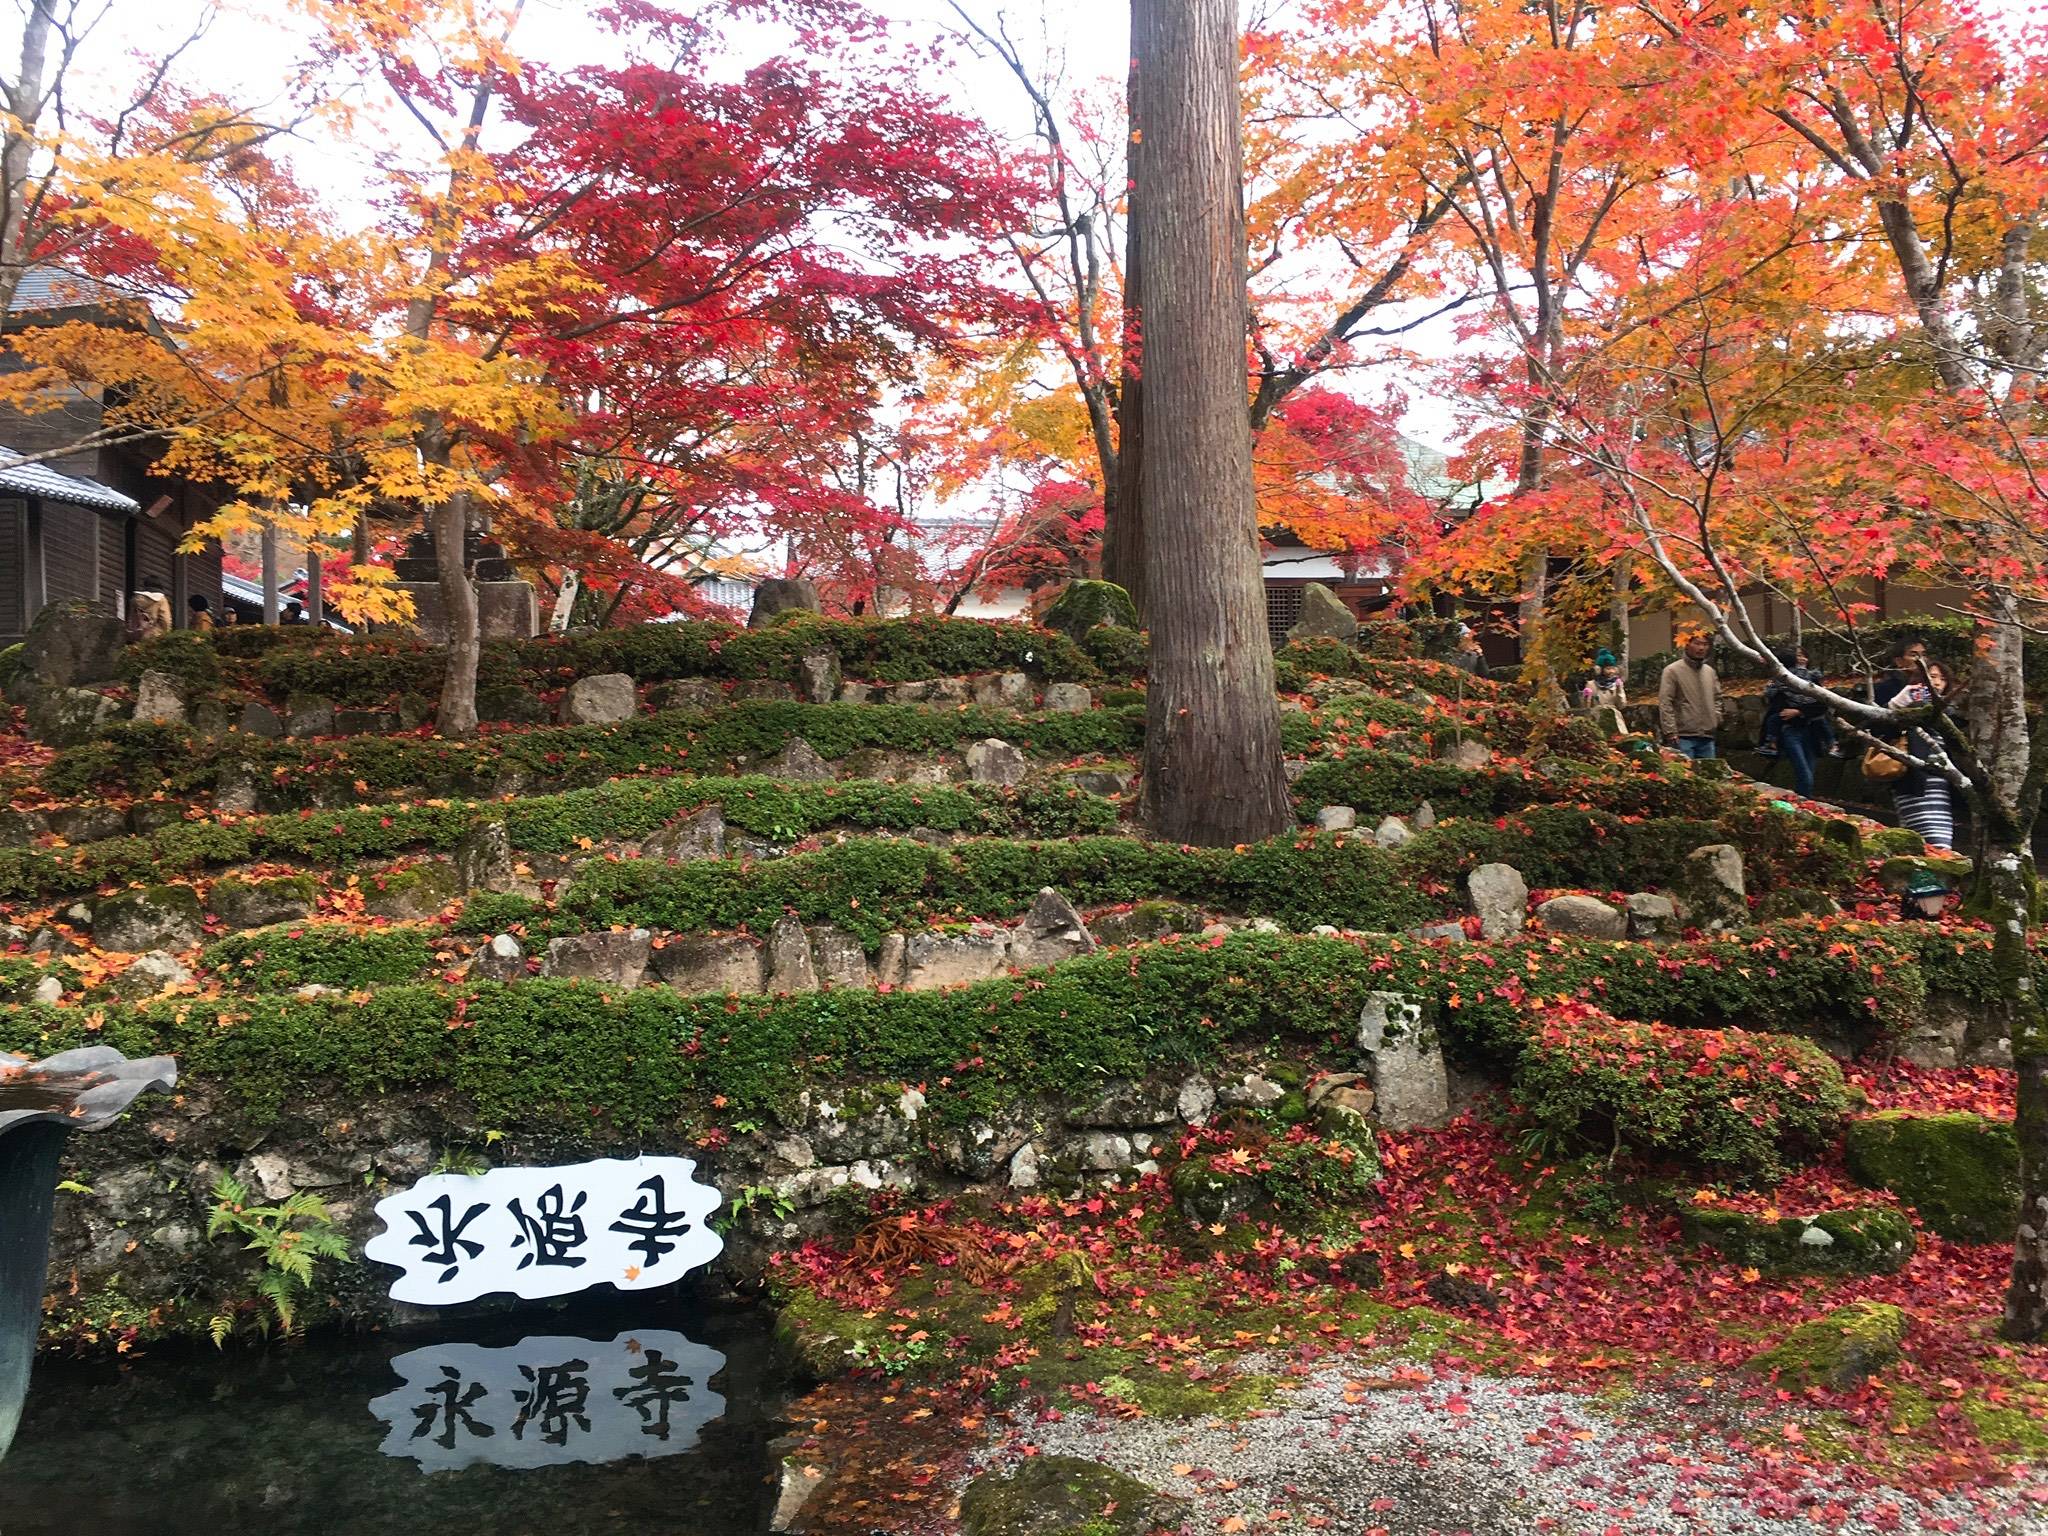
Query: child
(1606, 685)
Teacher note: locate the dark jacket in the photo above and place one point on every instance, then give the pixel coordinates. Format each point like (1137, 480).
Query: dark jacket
(1780, 696)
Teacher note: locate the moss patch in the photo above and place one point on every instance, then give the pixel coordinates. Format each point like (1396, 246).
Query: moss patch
(1959, 1171)
(1839, 1351)
(1868, 1241)
(1064, 1496)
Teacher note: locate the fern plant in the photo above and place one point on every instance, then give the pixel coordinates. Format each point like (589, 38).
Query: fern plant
(292, 1236)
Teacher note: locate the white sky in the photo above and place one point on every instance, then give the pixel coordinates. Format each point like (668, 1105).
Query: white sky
(246, 50)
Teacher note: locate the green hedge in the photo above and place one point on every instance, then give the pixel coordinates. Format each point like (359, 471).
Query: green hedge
(620, 809)
(551, 1053)
(355, 670)
(140, 759)
(1381, 783)
(1739, 1104)
(871, 886)
(1301, 662)
(329, 954)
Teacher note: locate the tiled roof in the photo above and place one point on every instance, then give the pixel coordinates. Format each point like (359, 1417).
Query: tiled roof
(45, 287)
(18, 479)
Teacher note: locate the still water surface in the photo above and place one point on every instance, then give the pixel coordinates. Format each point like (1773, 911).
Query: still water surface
(647, 1414)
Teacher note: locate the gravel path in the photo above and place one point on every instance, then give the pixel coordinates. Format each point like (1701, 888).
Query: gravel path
(1357, 1453)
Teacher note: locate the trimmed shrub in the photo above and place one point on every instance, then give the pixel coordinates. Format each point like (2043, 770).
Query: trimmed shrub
(1741, 1105)
(1960, 1171)
(1086, 605)
(329, 954)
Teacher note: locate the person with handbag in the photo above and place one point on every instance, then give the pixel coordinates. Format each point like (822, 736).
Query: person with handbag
(1924, 799)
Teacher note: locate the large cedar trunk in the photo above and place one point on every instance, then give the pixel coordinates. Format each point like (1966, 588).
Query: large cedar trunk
(1123, 523)
(1212, 721)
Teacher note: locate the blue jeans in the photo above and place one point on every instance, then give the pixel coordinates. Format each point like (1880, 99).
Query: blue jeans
(1696, 746)
(1796, 741)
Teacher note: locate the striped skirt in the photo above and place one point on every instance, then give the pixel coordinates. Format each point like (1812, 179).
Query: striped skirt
(1929, 813)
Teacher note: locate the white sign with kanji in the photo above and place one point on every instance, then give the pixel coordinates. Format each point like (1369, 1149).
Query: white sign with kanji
(547, 1231)
(547, 1401)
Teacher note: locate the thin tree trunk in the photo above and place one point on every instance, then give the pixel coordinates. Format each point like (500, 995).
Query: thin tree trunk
(24, 102)
(316, 598)
(269, 547)
(1617, 615)
(1213, 771)
(456, 713)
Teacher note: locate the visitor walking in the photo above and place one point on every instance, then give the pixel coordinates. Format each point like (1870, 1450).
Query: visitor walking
(1606, 686)
(202, 611)
(1793, 721)
(1689, 701)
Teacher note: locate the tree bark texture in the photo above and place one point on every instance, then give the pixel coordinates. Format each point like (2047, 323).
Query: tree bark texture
(456, 713)
(1123, 519)
(1213, 771)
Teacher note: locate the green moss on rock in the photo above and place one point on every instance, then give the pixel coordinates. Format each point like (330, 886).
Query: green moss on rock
(1064, 1496)
(1867, 1241)
(1085, 604)
(1959, 1171)
(259, 903)
(1839, 1351)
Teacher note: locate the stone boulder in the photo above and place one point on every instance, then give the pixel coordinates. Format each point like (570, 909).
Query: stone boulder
(149, 976)
(1336, 818)
(619, 959)
(932, 961)
(159, 699)
(605, 699)
(1127, 1103)
(791, 967)
(694, 694)
(260, 903)
(700, 835)
(1323, 616)
(799, 763)
(1469, 753)
(1406, 1064)
(508, 705)
(484, 860)
(842, 964)
(1713, 886)
(779, 595)
(159, 917)
(1107, 782)
(1003, 690)
(69, 717)
(1585, 917)
(817, 677)
(710, 963)
(1500, 898)
(260, 720)
(1651, 916)
(88, 823)
(1051, 931)
(372, 722)
(70, 645)
(993, 761)
(1083, 605)
(1392, 833)
(1146, 923)
(1068, 699)
(411, 894)
(309, 715)
(501, 960)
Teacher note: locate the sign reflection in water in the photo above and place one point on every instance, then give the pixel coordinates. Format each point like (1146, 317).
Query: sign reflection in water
(547, 1401)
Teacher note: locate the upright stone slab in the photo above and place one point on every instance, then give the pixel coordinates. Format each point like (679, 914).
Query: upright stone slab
(1410, 1089)
(817, 677)
(1500, 898)
(779, 595)
(1323, 616)
(994, 761)
(159, 699)
(790, 964)
(1052, 931)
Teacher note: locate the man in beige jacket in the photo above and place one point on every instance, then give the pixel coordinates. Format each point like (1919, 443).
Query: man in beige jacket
(1689, 701)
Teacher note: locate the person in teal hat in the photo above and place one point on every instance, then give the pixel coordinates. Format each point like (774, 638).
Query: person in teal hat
(1606, 685)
